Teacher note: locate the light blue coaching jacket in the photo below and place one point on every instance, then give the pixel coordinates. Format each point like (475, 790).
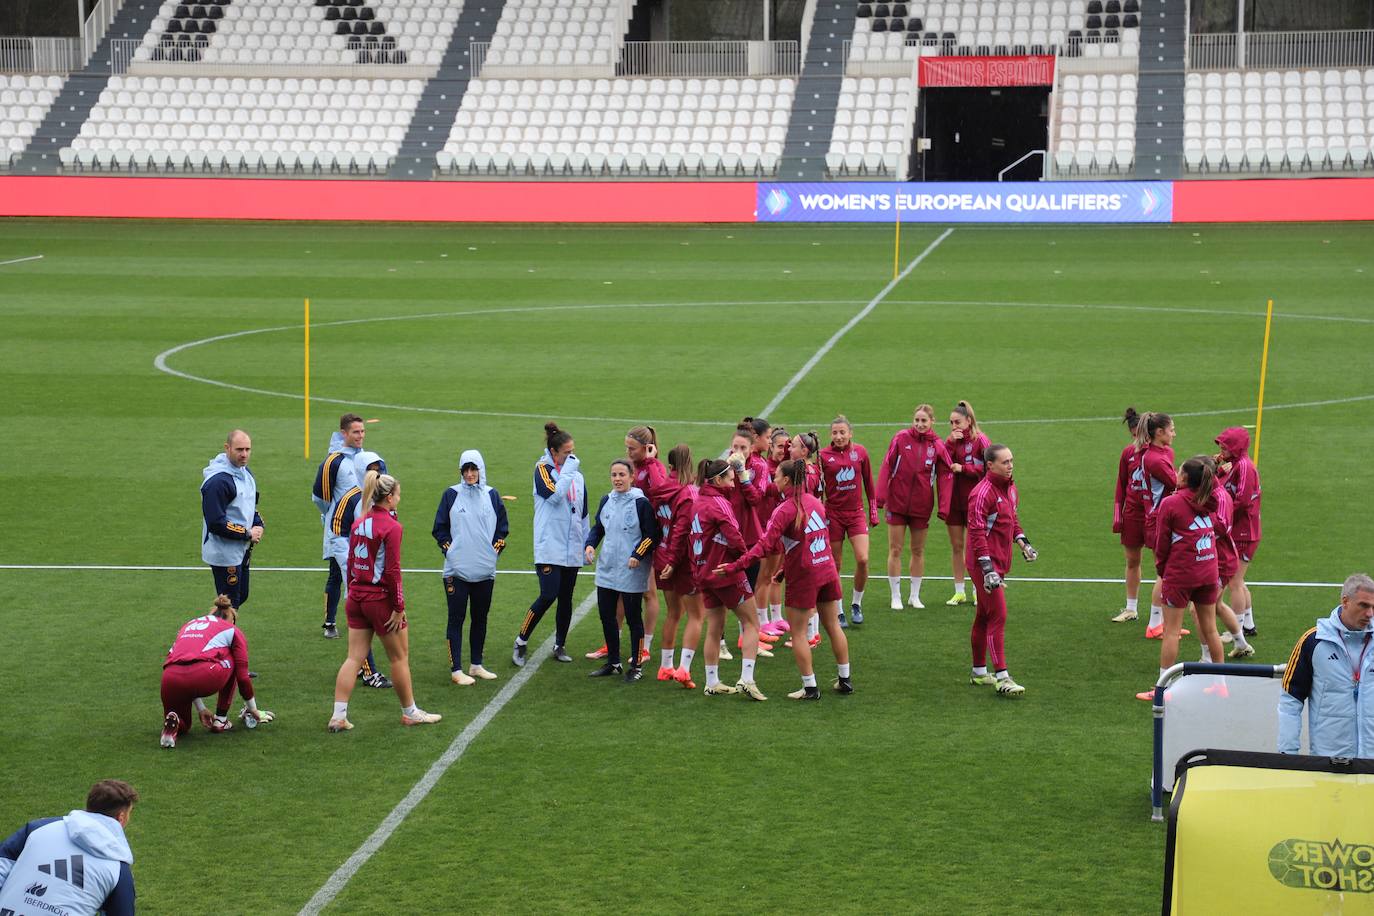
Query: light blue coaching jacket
(470, 525)
(625, 527)
(229, 501)
(73, 864)
(1321, 673)
(560, 512)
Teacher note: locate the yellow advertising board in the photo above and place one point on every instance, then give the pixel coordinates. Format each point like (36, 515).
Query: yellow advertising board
(1258, 838)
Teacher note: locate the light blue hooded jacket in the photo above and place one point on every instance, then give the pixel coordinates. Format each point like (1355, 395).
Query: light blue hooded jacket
(236, 512)
(469, 524)
(560, 512)
(1340, 711)
(625, 527)
(75, 864)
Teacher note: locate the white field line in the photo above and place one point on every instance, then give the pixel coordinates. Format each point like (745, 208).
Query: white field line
(35, 257)
(1055, 580)
(337, 881)
(863, 313)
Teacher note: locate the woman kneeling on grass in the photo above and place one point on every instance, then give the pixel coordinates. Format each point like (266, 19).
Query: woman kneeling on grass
(813, 584)
(376, 601)
(209, 656)
(627, 533)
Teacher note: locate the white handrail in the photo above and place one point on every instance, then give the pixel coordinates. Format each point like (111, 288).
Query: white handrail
(1034, 152)
(96, 25)
(1281, 50)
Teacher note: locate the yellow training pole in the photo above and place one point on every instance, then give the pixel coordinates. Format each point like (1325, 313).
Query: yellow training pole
(1264, 371)
(307, 379)
(897, 246)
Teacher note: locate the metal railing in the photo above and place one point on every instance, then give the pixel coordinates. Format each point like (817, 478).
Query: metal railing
(96, 25)
(709, 58)
(1281, 50)
(668, 59)
(40, 55)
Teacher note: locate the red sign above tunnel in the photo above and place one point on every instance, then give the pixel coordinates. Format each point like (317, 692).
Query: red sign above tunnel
(1022, 70)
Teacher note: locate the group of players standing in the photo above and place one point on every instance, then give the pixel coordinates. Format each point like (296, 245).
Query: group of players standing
(759, 532)
(1202, 523)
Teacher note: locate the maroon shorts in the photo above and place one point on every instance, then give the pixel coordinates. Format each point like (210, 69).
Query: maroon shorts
(369, 615)
(728, 595)
(1132, 531)
(679, 582)
(1150, 533)
(808, 595)
(1246, 550)
(958, 513)
(906, 521)
(1197, 594)
(842, 526)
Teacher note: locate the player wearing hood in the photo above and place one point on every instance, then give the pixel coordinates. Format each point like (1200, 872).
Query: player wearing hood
(915, 480)
(1240, 477)
(993, 527)
(1186, 561)
(77, 865)
(231, 525)
(966, 446)
(470, 527)
(1128, 512)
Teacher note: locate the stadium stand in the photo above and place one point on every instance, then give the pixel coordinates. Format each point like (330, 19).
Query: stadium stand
(731, 127)
(24, 100)
(902, 31)
(1279, 120)
(1095, 124)
(873, 128)
(532, 33)
(240, 124)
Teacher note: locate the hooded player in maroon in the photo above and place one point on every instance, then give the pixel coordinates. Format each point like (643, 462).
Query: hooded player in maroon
(1156, 478)
(209, 656)
(714, 540)
(1227, 562)
(1240, 477)
(966, 445)
(674, 574)
(844, 467)
(1186, 561)
(993, 527)
(800, 527)
(376, 601)
(915, 480)
(803, 447)
(750, 500)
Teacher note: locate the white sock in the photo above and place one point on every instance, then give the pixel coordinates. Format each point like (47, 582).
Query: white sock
(687, 656)
(895, 584)
(808, 680)
(1239, 638)
(980, 670)
(741, 629)
(410, 710)
(747, 670)
(649, 642)
(915, 586)
(712, 675)
(813, 626)
(842, 670)
(775, 612)
(1249, 618)
(722, 644)
(340, 710)
(1132, 604)
(858, 598)
(1156, 615)
(959, 587)
(521, 641)
(1004, 675)
(1206, 654)
(665, 658)
(1161, 674)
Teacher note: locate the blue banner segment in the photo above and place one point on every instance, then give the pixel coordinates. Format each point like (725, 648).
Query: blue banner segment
(968, 202)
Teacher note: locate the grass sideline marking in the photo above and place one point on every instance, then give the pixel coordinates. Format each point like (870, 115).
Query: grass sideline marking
(849, 325)
(418, 792)
(1053, 580)
(33, 257)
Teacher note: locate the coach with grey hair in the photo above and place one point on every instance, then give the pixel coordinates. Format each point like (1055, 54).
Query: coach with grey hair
(1331, 672)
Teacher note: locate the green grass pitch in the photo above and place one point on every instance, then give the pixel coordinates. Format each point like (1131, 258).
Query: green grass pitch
(918, 793)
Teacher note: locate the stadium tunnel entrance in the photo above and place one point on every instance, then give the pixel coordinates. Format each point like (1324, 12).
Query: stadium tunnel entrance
(975, 132)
